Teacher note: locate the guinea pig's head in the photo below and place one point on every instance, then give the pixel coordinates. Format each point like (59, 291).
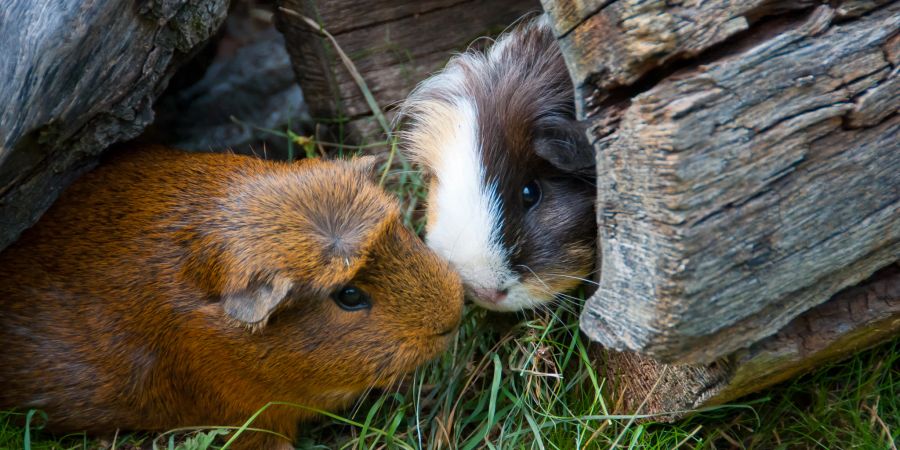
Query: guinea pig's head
(512, 175)
(312, 266)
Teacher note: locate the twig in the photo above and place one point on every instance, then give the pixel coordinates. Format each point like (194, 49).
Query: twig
(360, 82)
(688, 437)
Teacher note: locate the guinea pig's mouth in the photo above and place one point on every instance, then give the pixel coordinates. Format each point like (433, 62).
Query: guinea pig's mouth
(516, 297)
(412, 355)
(493, 296)
(448, 332)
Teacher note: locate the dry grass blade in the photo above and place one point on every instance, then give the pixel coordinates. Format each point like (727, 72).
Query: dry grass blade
(689, 437)
(885, 430)
(363, 87)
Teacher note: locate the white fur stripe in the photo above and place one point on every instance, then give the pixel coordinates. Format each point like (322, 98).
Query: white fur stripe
(467, 226)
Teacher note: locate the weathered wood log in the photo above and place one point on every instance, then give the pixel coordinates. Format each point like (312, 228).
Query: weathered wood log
(748, 166)
(853, 320)
(394, 45)
(77, 77)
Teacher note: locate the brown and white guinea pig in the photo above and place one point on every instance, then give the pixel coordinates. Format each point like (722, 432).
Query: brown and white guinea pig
(512, 174)
(169, 289)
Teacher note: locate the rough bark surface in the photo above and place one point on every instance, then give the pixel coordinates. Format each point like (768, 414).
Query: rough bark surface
(748, 163)
(853, 320)
(394, 45)
(77, 77)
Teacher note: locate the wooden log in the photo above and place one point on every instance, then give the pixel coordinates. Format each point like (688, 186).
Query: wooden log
(748, 165)
(857, 318)
(77, 77)
(394, 45)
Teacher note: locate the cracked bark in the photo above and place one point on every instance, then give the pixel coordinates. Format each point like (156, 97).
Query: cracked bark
(748, 171)
(853, 320)
(70, 91)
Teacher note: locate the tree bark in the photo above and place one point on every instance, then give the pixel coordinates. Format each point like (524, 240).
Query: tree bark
(748, 171)
(748, 163)
(855, 319)
(79, 76)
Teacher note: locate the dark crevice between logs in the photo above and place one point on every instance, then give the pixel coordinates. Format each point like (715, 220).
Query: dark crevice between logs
(764, 23)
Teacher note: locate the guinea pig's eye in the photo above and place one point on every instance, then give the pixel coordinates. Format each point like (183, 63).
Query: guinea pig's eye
(531, 194)
(351, 298)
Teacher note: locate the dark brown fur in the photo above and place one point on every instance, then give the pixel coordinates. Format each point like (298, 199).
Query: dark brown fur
(114, 304)
(527, 130)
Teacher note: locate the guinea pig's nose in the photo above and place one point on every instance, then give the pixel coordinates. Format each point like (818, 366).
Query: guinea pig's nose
(491, 295)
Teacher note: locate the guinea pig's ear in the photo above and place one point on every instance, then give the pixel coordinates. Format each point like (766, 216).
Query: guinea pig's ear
(563, 143)
(367, 166)
(253, 304)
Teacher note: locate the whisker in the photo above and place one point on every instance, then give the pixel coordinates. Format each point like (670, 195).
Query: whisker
(535, 276)
(584, 280)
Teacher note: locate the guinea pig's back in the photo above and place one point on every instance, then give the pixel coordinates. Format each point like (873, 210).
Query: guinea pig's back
(117, 222)
(68, 328)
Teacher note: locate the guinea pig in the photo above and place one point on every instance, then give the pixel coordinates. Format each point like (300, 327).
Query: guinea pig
(512, 174)
(169, 289)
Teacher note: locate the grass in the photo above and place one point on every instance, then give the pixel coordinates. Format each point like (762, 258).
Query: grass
(526, 381)
(529, 383)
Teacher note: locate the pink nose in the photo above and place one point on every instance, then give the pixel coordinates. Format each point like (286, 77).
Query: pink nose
(490, 295)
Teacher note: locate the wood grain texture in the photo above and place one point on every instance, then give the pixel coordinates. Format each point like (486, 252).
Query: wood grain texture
(855, 319)
(737, 193)
(79, 76)
(394, 45)
(612, 44)
(568, 14)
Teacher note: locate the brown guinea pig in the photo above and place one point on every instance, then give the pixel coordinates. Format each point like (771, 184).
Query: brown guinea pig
(511, 197)
(169, 289)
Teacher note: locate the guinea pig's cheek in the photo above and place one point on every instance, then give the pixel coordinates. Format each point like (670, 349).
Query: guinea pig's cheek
(531, 292)
(427, 351)
(544, 290)
(585, 254)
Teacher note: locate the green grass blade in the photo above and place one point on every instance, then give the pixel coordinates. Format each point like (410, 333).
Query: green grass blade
(534, 430)
(492, 405)
(364, 431)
